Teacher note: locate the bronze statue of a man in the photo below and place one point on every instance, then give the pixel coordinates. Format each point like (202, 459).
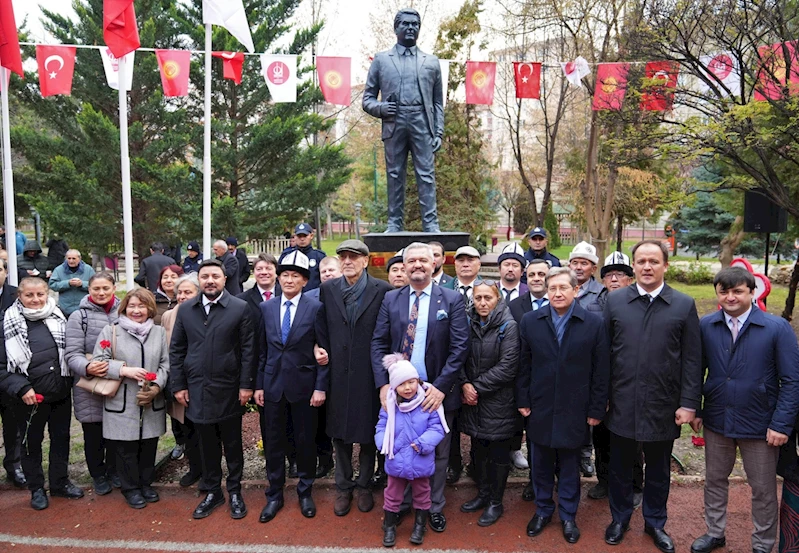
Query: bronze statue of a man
(412, 110)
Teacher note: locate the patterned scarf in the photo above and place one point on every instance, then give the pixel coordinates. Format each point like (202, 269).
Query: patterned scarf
(140, 331)
(15, 326)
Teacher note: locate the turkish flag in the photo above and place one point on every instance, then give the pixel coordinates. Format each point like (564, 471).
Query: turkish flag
(10, 55)
(659, 86)
(480, 76)
(232, 63)
(174, 66)
(611, 85)
(56, 67)
(334, 79)
(772, 73)
(120, 31)
(528, 79)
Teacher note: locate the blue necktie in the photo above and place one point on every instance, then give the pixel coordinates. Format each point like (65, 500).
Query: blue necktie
(286, 326)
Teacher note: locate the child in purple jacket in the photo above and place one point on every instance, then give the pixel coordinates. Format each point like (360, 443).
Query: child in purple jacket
(408, 437)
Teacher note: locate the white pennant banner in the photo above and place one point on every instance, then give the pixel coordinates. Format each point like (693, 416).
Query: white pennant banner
(280, 73)
(111, 66)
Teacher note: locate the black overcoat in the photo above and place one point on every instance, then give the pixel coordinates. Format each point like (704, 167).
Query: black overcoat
(656, 362)
(353, 401)
(212, 357)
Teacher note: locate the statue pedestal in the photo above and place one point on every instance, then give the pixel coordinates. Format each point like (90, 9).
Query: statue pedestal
(383, 246)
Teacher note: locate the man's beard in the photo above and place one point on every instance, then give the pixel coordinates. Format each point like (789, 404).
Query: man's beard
(212, 295)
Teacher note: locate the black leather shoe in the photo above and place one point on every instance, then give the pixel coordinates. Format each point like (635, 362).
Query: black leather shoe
(570, 531)
(135, 499)
(238, 509)
(307, 507)
(707, 543)
(150, 495)
(453, 475)
(116, 482)
(600, 491)
(206, 507)
(614, 534)
(537, 525)
(69, 490)
(270, 511)
(16, 477)
(661, 539)
(528, 494)
(292, 472)
(325, 466)
(438, 522)
(189, 479)
(101, 485)
(39, 499)
(587, 467)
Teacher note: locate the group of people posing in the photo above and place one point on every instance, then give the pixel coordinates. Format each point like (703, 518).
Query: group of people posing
(328, 352)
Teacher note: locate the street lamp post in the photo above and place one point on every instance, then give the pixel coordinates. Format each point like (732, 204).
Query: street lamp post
(358, 207)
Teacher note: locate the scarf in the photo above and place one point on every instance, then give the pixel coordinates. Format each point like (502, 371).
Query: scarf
(352, 295)
(108, 306)
(560, 322)
(391, 408)
(140, 331)
(18, 347)
(76, 270)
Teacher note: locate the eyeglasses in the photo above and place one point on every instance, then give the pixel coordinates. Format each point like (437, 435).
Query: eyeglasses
(616, 274)
(481, 282)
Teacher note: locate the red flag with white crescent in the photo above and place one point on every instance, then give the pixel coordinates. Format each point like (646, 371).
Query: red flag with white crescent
(10, 54)
(174, 65)
(480, 77)
(232, 63)
(56, 68)
(528, 79)
(659, 85)
(334, 79)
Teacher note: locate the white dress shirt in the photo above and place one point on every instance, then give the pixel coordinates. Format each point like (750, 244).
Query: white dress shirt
(295, 301)
(207, 303)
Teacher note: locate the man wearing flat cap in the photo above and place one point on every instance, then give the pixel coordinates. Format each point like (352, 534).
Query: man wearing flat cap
(304, 234)
(467, 268)
(351, 305)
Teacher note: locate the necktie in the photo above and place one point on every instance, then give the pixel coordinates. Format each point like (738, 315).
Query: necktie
(650, 297)
(734, 321)
(507, 294)
(286, 326)
(410, 332)
(267, 295)
(465, 291)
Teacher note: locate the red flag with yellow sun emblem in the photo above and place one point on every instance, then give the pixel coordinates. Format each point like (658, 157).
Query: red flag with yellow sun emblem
(174, 66)
(772, 72)
(334, 79)
(480, 76)
(611, 85)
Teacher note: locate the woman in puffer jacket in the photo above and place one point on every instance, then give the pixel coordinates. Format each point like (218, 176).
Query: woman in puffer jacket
(166, 297)
(96, 311)
(489, 413)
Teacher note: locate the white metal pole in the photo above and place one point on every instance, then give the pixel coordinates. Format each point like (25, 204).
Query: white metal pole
(207, 149)
(8, 183)
(127, 209)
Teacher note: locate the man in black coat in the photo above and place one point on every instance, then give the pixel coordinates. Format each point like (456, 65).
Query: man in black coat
(562, 389)
(212, 373)
(241, 256)
(655, 387)
(11, 433)
(150, 267)
(231, 265)
(352, 303)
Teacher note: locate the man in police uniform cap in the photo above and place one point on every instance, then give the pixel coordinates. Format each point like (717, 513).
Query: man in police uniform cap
(304, 236)
(538, 247)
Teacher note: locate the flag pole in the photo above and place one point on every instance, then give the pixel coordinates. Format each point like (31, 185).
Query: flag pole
(127, 210)
(207, 148)
(8, 183)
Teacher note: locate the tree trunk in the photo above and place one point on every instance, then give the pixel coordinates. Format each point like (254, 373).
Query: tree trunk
(790, 301)
(619, 233)
(731, 242)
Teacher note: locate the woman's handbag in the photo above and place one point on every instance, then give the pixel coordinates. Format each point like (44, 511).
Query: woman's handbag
(106, 387)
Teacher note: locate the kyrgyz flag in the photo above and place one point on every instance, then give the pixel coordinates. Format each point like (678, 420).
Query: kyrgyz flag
(10, 55)
(528, 79)
(56, 67)
(480, 76)
(660, 81)
(334, 79)
(232, 63)
(772, 72)
(611, 85)
(174, 65)
(120, 31)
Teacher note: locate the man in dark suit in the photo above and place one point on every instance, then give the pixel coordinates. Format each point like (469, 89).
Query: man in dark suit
(150, 267)
(511, 268)
(11, 433)
(428, 324)
(562, 389)
(352, 303)
(231, 265)
(212, 373)
(289, 373)
(439, 276)
(241, 257)
(412, 110)
(655, 387)
(266, 285)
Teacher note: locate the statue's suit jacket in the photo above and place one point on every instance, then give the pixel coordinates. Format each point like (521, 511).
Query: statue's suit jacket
(384, 77)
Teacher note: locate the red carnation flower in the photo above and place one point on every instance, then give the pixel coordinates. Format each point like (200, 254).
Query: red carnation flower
(150, 377)
(698, 441)
(39, 398)
(105, 344)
